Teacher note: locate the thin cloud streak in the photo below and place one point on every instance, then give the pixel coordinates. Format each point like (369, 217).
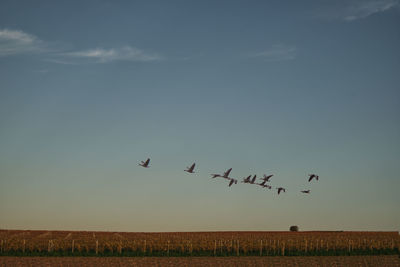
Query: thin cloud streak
(59, 61)
(353, 10)
(14, 42)
(277, 52)
(367, 8)
(126, 53)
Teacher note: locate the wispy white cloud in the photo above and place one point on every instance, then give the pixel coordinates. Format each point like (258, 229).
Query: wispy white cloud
(16, 42)
(101, 55)
(58, 61)
(277, 52)
(364, 8)
(351, 10)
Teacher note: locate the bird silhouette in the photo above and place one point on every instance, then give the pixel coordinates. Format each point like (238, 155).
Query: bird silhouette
(254, 179)
(263, 184)
(306, 191)
(145, 163)
(266, 178)
(246, 180)
(313, 176)
(232, 182)
(191, 168)
(225, 175)
(281, 189)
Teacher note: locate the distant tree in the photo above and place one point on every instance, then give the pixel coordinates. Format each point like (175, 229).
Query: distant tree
(294, 228)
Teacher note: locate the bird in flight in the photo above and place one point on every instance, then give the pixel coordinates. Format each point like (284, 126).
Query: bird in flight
(232, 181)
(225, 175)
(254, 179)
(281, 189)
(145, 163)
(266, 178)
(313, 176)
(191, 168)
(247, 179)
(306, 191)
(264, 185)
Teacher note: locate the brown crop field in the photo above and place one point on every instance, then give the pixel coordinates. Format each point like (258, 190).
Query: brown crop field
(192, 244)
(380, 261)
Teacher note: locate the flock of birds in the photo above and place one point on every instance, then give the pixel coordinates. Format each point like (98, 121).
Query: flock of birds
(251, 179)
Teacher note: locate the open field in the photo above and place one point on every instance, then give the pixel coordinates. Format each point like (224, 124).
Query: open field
(79, 243)
(381, 261)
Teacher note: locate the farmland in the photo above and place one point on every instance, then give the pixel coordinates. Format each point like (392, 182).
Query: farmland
(312, 261)
(195, 244)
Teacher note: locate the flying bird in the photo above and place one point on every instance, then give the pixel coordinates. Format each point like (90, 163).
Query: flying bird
(232, 181)
(191, 168)
(254, 179)
(247, 179)
(281, 189)
(306, 191)
(313, 176)
(266, 178)
(145, 163)
(225, 175)
(264, 185)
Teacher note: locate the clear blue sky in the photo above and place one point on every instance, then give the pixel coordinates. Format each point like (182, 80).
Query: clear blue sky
(90, 88)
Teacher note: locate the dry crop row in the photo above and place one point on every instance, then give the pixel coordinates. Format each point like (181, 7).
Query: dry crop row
(197, 243)
(382, 260)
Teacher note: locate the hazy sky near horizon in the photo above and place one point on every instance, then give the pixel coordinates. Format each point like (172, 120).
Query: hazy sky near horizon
(90, 88)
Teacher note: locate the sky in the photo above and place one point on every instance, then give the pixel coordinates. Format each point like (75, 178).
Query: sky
(88, 89)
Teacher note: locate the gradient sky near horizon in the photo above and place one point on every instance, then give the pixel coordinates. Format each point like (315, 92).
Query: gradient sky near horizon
(90, 88)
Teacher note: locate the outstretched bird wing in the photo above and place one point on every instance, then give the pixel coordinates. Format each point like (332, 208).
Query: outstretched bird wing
(191, 168)
(226, 174)
(267, 177)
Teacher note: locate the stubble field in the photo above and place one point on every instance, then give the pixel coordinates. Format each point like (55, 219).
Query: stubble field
(311, 261)
(80, 248)
(193, 244)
